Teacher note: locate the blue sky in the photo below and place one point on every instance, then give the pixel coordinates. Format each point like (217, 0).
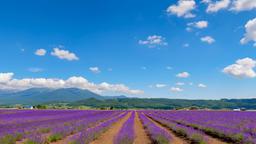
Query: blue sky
(174, 49)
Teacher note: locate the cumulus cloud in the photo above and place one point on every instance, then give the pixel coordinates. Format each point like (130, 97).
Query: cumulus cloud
(160, 85)
(40, 52)
(216, 6)
(242, 5)
(8, 82)
(250, 32)
(5, 77)
(199, 24)
(94, 69)
(183, 8)
(64, 54)
(208, 39)
(201, 85)
(153, 41)
(183, 75)
(242, 68)
(118, 88)
(206, 1)
(176, 89)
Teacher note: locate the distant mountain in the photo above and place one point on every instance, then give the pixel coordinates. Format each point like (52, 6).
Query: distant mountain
(75, 97)
(6, 91)
(45, 95)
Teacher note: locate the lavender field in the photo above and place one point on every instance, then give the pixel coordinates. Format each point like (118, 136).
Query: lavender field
(123, 127)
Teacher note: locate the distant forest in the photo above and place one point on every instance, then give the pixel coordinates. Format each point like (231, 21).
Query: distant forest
(137, 103)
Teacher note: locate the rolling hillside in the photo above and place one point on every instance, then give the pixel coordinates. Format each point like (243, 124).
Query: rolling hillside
(44, 95)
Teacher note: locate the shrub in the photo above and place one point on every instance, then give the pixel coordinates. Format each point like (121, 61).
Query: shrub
(44, 130)
(237, 138)
(181, 132)
(8, 139)
(161, 140)
(55, 137)
(197, 139)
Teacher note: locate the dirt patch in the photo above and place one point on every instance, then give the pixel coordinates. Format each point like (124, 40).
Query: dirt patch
(140, 134)
(108, 136)
(214, 141)
(21, 141)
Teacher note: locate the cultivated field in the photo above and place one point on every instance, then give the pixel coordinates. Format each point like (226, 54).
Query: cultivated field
(126, 127)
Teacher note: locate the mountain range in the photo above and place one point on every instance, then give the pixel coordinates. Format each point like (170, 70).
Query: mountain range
(75, 97)
(43, 95)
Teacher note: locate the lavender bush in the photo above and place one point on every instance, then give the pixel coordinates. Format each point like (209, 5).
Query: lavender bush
(157, 134)
(126, 134)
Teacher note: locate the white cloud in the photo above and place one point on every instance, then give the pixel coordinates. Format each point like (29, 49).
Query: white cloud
(242, 68)
(118, 88)
(183, 8)
(8, 82)
(160, 85)
(254, 45)
(206, 1)
(183, 75)
(40, 52)
(94, 69)
(176, 89)
(200, 24)
(250, 34)
(242, 5)
(180, 83)
(35, 70)
(218, 5)
(153, 41)
(201, 85)
(208, 39)
(5, 77)
(64, 54)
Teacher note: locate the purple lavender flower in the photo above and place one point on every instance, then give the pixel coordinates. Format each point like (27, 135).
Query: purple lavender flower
(157, 134)
(88, 135)
(126, 134)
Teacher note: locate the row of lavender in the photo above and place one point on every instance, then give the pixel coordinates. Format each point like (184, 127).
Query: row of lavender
(44, 126)
(82, 127)
(230, 126)
(88, 135)
(157, 135)
(127, 133)
(72, 127)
